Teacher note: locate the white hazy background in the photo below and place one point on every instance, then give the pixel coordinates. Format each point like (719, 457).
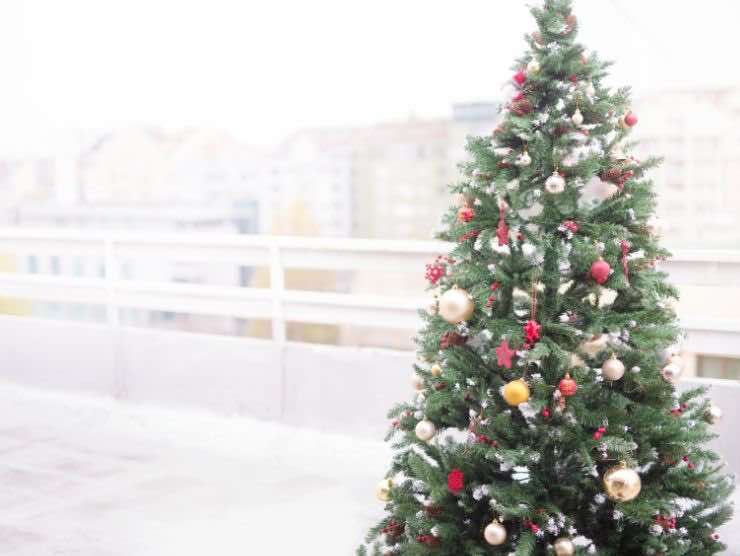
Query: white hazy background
(261, 70)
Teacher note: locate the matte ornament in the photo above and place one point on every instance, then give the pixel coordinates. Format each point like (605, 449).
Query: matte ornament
(520, 77)
(630, 119)
(465, 214)
(495, 533)
(568, 386)
(555, 184)
(425, 430)
(564, 547)
(622, 484)
(612, 369)
(383, 490)
(516, 392)
(456, 305)
(600, 271)
(504, 354)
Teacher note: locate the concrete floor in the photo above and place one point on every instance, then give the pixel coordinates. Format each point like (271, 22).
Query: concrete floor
(90, 477)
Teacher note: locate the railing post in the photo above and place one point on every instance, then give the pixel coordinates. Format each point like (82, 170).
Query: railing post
(277, 287)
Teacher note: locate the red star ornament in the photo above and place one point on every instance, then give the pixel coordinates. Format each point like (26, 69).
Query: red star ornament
(504, 354)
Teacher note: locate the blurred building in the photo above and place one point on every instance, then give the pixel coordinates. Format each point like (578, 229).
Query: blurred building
(696, 130)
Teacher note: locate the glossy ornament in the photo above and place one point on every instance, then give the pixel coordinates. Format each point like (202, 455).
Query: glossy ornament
(425, 430)
(564, 547)
(383, 490)
(555, 184)
(630, 119)
(577, 117)
(465, 214)
(713, 414)
(520, 77)
(495, 533)
(456, 305)
(568, 386)
(612, 369)
(523, 160)
(600, 271)
(436, 370)
(671, 372)
(533, 67)
(516, 392)
(622, 484)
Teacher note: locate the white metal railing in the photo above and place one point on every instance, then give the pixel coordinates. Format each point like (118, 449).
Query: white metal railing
(276, 303)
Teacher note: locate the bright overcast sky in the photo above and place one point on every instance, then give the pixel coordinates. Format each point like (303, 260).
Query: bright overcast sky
(263, 68)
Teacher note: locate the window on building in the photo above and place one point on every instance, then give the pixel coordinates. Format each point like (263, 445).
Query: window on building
(710, 366)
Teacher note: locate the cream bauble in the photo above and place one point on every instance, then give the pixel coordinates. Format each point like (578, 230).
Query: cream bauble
(622, 484)
(533, 66)
(713, 414)
(436, 370)
(523, 160)
(577, 117)
(456, 305)
(612, 369)
(555, 184)
(564, 547)
(495, 533)
(671, 372)
(417, 381)
(383, 490)
(425, 430)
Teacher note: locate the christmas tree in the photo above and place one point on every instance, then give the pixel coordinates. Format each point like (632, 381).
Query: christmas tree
(546, 418)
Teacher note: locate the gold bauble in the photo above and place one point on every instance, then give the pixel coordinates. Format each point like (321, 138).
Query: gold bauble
(383, 490)
(516, 392)
(425, 430)
(495, 533)
(436, 370)
(622, 484)
(456, 305)
(612, 369)
(564, 547)
(594, 345)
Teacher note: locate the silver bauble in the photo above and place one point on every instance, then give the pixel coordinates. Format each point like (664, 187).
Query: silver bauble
(495, 533)
(612, 369)
(713, 414)
(555, 184)
(577, 117)
(425, 430)
(671, 372)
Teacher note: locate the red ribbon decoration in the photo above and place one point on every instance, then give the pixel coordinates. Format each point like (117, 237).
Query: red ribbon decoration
(625, 249)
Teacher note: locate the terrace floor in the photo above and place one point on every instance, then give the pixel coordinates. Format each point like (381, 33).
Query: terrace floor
(93, 477)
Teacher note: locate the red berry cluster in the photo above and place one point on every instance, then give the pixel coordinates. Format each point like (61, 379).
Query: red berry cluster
(666, 522)
(679, 409)
(491, 298)
(472, 234)
(601, 431)
(483, 439)
(429, 540)
(546, 412)
(532, 331)
(571, 226)
(394, 529)
(455, 481)
(688, 462)
(532, 526)
(436, 270)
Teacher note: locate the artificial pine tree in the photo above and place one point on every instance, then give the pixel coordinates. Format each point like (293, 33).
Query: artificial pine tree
(546, 419)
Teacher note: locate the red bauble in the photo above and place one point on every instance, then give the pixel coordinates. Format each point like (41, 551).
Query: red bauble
(520, 77)
(465, 214)
(600, 271)
(568, 386)
(630, 119)
(455, 481)
(532, 331)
